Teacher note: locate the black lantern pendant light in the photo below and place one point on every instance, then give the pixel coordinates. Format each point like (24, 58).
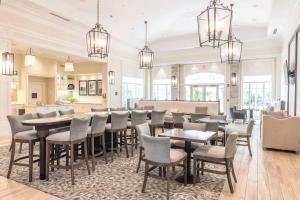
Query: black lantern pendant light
(97, 40)
(146, 55)
(8, 64)
(214, 24)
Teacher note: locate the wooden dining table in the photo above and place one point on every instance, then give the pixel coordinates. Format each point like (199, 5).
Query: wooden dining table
(189, 136)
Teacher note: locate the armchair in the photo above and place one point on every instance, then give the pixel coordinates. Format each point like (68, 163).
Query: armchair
(238, 114)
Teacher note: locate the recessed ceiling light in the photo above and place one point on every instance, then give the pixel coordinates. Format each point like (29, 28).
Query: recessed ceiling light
(254, 5)
(254, 19)
(274, 31)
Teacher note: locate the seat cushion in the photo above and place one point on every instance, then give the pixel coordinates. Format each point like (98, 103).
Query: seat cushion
(26, 135)
(176, 155)
(59, 137)
(209, 152)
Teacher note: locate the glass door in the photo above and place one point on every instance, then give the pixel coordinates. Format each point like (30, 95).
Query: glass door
(211, 93)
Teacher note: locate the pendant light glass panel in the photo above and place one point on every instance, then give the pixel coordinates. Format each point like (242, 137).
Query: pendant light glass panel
(8, 64)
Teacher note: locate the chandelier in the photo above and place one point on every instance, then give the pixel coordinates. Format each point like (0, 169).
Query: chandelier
(69, 65)
(146, 55)
(231, 51)
(97, 40)
(214, 24)
(8, 64)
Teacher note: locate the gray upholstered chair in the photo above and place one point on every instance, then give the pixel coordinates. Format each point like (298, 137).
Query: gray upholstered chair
(196, 116)
(178, 119)
(97, 129)
(159, 154)
(99, 109)
(244, 134)
(142, 129)
(117, 109)
(214, 127)
(118, 127)
(76, 135)
(157, 121)
(137, 117)
(47, 115)
(216, 155)
(22, 134)
(67, 112)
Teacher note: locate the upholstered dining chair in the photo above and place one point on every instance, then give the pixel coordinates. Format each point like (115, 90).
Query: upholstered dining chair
(148, 107)
(137, 118)
(22, 134)
(99, 109)
(66, 112)
(157, 121)
(76, 135)
(47, 115)
(244, 134)
(142, 129)
(117, 109)
(217, 155)
(221, 131)
(196, 116)
(118, 127)
(97, 129)
(159, 154)
(178, 119)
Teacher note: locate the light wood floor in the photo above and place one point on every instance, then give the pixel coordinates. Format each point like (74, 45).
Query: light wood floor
(267, 175)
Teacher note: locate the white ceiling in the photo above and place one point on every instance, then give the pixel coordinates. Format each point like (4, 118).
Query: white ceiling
(124, 19)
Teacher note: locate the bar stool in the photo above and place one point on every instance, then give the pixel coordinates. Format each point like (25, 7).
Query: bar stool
(157, 121)
(22, 134)
(76, 135)
(118, 126)
(137, 118)
(97, 129)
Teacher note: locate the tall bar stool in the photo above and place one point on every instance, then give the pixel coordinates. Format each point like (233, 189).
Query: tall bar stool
(76, 135)
(157, 121)
(178, 119)
(22, 134)
(97, 129)
(137, 118)
(118, 126)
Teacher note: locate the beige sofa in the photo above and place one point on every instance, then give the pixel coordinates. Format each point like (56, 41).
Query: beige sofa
(281, 133)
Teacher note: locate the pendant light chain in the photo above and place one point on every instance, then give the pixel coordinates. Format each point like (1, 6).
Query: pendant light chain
(146, 35)
(98, 10)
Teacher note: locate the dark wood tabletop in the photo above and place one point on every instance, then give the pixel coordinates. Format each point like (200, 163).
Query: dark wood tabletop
(189, 135)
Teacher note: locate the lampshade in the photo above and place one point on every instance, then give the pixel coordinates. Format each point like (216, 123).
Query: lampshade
(231, 51)
(8, 64)
(111, 77)
(214, 24)
(29, 58)
(174, 81)
(146, 55)
(97, 40)
(69, 65)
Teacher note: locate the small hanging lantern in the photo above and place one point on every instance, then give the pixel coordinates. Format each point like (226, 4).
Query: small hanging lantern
(111, 77)
(69, 65)
(8, 64)
(174, 81)
(146, 55)
(29, 58)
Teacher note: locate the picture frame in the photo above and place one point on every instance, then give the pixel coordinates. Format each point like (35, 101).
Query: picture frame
(82, 88)
(99, 87)
(92, 87)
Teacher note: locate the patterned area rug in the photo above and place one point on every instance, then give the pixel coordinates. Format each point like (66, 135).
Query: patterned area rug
(116, 180)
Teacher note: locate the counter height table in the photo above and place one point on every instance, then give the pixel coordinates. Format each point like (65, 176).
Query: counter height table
(189, 136)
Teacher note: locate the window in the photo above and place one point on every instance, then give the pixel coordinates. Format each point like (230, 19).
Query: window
(162, 89)
(132, 88)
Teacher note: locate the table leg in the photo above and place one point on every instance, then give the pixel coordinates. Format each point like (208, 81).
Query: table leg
(42, 133)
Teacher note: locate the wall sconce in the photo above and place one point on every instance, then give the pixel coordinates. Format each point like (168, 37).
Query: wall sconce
(174, 81)
(233, 79)
(29, 58)
(111, 77)
(8, 64)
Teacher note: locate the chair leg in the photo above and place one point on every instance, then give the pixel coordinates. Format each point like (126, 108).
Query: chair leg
(86, 157)
(72, 163)
(229, 177)
(12, 158)
(125, 140)
(93, 152)
(132, 139)
(47, 160)
(195, 169)
(145, 177)
(185, 172)
(202, 167)
(67, 157)
(52, 157)
(20, 148)
(249, 147)
(168, 182)
(233, 172)
(104, 148)
(163, 129)
(112, 146)
(10, 146)
(140, 160)
(30, 160)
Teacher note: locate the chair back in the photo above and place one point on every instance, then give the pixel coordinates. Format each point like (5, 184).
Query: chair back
(66, 112)
(158, 117)
(148, 108)
(98, 124)
(231, 112)
(138, 117)
(142, 129)
(230, 147)
(16, 125)
(47, 115)
(157, 149)
(218, 117)
(119, 120)
(194, 126)
(117, 109)
(201, 110)
(99, 109)
(178, 117)
(212, 126)
(250, 127)
(196, 116)
(79, 128)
